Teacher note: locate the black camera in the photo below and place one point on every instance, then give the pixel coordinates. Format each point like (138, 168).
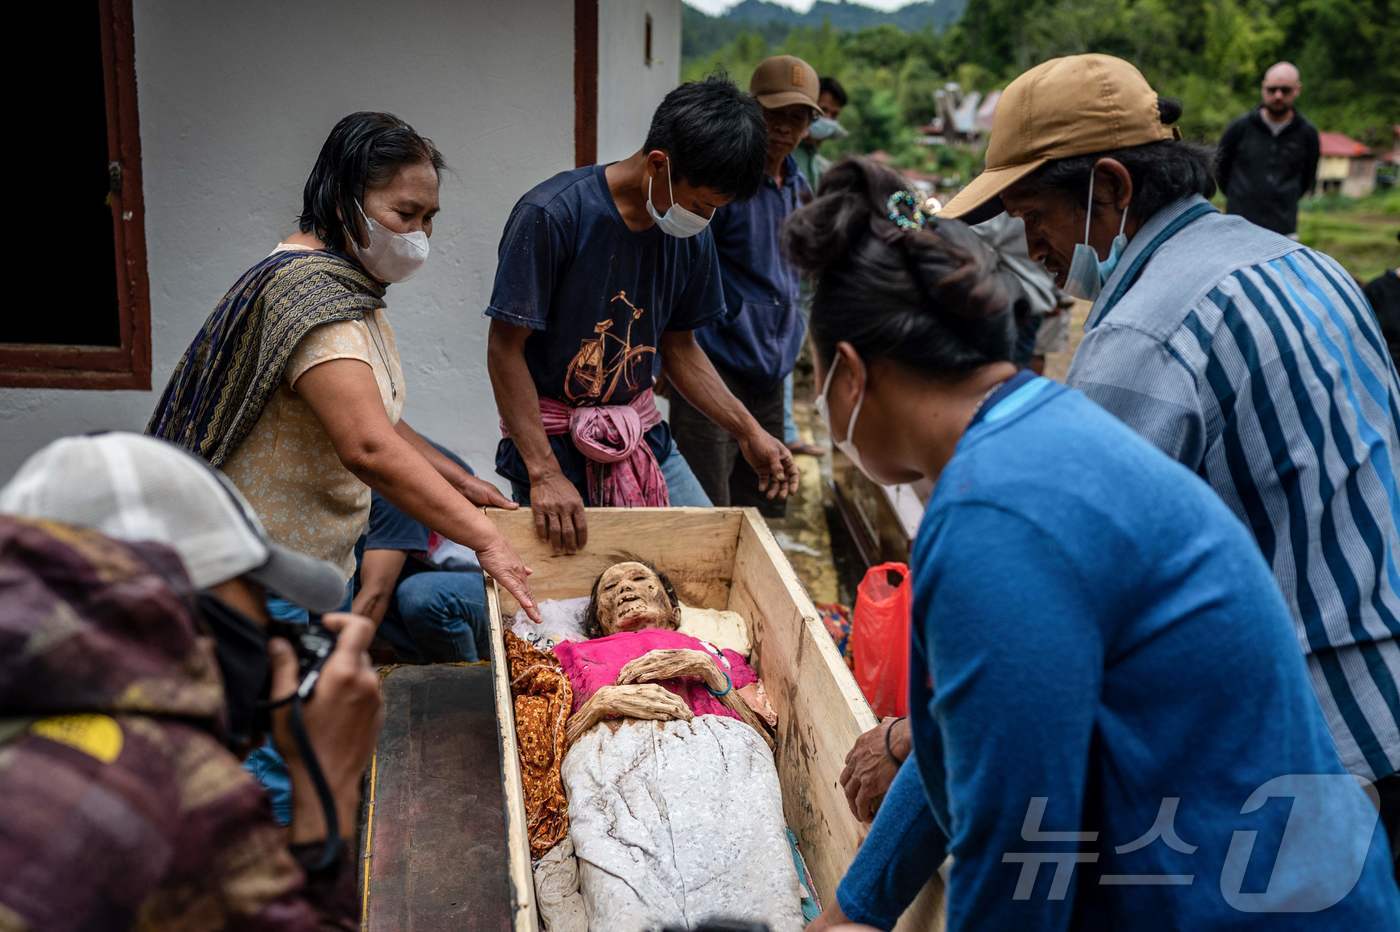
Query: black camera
(313, 643)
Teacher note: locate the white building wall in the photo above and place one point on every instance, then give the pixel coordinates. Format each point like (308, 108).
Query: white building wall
(629, 90)
(235, 101)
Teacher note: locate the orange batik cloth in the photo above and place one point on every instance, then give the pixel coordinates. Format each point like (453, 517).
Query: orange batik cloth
(543, 700)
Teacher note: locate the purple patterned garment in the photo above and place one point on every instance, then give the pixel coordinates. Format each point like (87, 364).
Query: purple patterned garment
(119, 805)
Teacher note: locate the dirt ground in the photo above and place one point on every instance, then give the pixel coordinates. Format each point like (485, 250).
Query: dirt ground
(804, 534)
(1057, 364)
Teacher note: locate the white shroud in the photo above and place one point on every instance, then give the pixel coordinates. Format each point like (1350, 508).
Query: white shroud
(677, 822)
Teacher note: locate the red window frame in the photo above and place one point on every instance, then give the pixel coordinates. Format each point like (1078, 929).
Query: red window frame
(585, 82)
(128, 366)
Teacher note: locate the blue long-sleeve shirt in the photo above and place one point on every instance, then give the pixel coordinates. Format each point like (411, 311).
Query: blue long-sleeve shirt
(1111, 654)
(760, 335)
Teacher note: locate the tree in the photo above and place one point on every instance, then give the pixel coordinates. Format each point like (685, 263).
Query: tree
(1210, 54)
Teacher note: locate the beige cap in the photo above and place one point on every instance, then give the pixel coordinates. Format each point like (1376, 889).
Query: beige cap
(134, 487)
(1064, 107)
(784, 80)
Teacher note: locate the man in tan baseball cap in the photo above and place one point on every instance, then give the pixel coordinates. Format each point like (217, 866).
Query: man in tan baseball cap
(1231, 348)
(1060, 108)
(788, 90)
(784, 80)
(1062, 124)
(755, 347)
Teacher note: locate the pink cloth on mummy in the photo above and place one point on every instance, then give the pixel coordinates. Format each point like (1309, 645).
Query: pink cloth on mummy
(591, 665)
(622, 470)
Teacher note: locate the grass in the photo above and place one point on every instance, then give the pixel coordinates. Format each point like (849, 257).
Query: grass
(1358, 233)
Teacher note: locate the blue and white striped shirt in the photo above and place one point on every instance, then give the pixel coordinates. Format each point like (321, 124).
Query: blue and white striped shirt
(1258, 363)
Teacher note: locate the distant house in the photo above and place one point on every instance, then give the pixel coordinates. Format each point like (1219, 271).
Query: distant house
(1346, 166)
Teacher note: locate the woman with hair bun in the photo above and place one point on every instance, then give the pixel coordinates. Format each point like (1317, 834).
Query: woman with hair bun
(1118, 686)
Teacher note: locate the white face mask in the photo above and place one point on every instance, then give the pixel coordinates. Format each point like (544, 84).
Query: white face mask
(677, 221)
(1087, 272)
(847, 446)
(390, 257)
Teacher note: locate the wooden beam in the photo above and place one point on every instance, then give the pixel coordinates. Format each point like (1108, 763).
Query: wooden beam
(585, 82)
(434, 852)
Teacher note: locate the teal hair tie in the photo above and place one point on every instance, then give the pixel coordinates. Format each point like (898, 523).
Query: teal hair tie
(904, 211)
(728, 685)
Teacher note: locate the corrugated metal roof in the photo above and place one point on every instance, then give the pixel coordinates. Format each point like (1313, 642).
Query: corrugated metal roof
(1339, 145)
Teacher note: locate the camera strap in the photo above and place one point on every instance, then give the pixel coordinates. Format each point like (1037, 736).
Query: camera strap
(333, 849)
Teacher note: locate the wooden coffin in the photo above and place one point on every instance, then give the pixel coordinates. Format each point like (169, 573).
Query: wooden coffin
(725, 559)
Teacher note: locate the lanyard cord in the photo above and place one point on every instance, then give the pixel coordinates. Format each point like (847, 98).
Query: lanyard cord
(333, 848)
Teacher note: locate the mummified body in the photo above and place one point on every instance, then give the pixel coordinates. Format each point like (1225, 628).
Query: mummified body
(674, 803)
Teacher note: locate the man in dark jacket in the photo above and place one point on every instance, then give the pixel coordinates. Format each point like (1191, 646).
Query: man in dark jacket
(755, 345)
(1267, 159)
(131, 667)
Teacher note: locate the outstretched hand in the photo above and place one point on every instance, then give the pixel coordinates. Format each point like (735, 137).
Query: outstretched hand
(504, 565)
(772, 461)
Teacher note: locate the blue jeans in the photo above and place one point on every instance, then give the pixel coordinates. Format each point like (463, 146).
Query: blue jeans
(265, 764)
(438, 617)
(682, 486)
(790, 435)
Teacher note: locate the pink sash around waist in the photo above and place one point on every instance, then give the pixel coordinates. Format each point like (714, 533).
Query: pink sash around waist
(622, 470)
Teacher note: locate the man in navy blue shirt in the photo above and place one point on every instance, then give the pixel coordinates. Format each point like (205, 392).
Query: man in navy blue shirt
(755, 345)
(426, 594)
(605, 273)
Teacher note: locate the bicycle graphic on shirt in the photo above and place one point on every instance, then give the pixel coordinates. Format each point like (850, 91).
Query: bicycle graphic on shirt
(605, 360)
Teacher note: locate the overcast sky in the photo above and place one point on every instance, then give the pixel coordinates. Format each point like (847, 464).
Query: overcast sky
(714, 7)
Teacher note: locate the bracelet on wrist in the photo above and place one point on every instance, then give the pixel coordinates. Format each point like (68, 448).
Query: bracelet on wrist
(889, 730)
(728, 685)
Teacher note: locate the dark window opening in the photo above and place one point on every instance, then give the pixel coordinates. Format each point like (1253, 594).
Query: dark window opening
(88, 327)
(648, 43)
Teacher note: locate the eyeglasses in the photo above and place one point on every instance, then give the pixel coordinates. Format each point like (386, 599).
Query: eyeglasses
(1281, 89)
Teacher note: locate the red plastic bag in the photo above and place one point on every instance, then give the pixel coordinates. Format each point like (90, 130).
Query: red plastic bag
(880, 637)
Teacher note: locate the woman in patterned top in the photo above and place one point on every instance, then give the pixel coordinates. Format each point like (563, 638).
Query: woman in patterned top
(293, 386)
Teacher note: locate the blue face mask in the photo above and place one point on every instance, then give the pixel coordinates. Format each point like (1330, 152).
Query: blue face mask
(826, 128)
(1087, 272)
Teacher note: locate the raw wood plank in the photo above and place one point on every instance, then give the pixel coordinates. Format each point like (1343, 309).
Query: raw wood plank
(821, 713)
(694, 546)
(436, 848)
(522, 879)
(820, 708)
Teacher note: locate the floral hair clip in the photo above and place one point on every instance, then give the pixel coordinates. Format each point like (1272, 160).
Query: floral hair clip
(903, 210)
